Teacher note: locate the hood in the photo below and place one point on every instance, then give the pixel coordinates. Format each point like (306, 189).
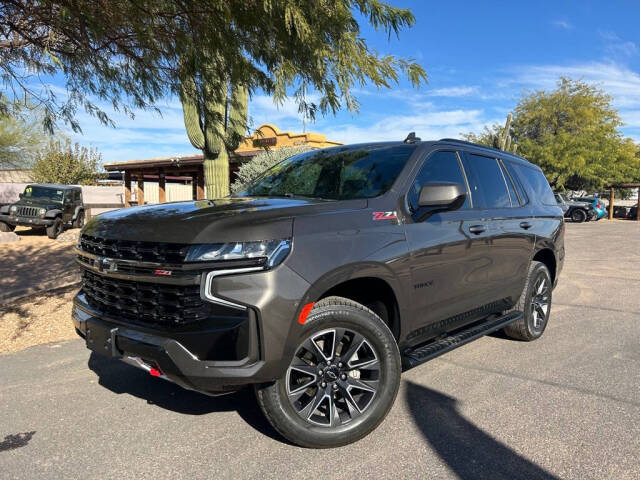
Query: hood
(211, 221)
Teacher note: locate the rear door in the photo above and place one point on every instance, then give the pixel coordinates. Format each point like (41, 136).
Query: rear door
(449, 252)
(510, 227)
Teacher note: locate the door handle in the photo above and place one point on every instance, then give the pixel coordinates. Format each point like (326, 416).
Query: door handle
(525, 225)
(477, 229)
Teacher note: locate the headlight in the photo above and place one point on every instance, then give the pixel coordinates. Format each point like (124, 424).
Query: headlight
(42, 211)
(269, 252)
(13, 208)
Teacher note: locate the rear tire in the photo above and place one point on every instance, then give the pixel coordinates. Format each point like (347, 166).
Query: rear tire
(79, 221)
(5, 227)
(578, 216)
(534, 303)
(56, 229)
(342, 381)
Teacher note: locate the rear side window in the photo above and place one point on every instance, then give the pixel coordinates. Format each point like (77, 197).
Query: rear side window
(516, 181)
(486, 181)
(439, 167)
(538, 184)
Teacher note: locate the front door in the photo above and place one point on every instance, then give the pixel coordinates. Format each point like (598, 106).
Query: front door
(449, 252)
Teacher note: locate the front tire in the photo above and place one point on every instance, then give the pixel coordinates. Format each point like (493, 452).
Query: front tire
(342, 381)
(56, 229)
(5, 227)
(534, 303)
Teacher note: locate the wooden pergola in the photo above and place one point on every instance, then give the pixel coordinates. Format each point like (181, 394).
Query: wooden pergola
(160, 170)
(612, 193)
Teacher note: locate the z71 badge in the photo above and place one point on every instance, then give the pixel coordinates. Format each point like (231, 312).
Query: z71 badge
(384, 215)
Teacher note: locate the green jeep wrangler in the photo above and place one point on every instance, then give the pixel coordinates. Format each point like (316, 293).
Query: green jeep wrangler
(45, 206)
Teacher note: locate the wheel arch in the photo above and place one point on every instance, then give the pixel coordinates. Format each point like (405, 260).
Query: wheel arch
(546, 256)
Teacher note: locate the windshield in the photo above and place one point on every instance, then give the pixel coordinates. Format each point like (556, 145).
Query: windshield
(341, 173)
(44, 193)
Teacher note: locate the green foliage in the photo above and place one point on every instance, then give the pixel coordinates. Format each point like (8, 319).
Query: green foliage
(572, 134)
(252, 169)
(21, 137)
(64, 163)
(129, 54)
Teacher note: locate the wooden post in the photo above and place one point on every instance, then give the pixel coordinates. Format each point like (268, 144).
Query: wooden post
(161, 187)
(611, 194)
(140, 188)
(127, 188)
(200, 184)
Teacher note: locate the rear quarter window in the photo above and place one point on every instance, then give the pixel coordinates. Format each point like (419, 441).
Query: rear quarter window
(537, 183)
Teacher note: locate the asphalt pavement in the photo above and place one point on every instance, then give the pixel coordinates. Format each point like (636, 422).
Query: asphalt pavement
(565, 406)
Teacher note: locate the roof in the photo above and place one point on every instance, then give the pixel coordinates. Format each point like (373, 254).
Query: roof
(512, 156)
(55, 185)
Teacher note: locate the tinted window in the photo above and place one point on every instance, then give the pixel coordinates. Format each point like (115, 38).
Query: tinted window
(439, 167)
(538, 184)
(515, 201)
(512, 173)
(337, 173)
(486, 182)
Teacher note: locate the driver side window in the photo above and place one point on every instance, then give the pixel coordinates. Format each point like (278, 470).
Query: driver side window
(442, 166)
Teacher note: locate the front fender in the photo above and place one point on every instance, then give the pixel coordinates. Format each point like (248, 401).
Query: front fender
(56, 212)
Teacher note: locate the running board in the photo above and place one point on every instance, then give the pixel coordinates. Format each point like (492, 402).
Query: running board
(418, 355)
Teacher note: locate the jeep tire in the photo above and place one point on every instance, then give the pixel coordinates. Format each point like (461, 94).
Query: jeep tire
(534, 303)
(79, 221)
(55, 229)
(342, 381)
(5, 227)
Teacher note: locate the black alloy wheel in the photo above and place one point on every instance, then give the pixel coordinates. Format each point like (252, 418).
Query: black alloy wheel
(333, 377)
(342, 380)
(578, 215)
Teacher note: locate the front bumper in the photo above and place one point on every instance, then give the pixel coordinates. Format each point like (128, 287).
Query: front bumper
(27, 221)
(261, 339)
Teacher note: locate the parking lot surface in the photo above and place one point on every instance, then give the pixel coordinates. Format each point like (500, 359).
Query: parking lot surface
(565, 406)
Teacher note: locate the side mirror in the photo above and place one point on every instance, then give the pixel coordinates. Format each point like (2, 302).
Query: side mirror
(20, 195)
(442, 195)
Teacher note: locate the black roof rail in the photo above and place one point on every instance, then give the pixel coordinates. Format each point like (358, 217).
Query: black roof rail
(464, 142)
(411, 138)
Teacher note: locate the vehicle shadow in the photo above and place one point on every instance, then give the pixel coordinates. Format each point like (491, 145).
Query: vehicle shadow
(121, 378)
(468, 451)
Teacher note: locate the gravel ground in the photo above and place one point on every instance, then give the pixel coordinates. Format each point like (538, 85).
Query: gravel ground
(565, 406)
(37, 319)
(35, 263)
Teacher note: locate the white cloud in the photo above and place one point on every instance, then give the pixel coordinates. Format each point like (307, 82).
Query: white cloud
(616, 46)
(563, 24)
(457, 91)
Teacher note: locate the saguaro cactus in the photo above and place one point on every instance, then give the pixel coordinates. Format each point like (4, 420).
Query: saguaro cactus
(504, 141)
(216, 121)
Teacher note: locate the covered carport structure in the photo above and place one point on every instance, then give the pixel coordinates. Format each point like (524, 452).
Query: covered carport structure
(612, 189)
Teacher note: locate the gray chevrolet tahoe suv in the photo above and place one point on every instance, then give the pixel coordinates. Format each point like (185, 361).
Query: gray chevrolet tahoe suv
(325, 278)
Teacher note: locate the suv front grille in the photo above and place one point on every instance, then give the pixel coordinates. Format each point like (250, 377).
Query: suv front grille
(28, 211)
(150, 303)
(155, 252)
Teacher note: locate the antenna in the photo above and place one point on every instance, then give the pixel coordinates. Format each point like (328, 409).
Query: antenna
(411, 138)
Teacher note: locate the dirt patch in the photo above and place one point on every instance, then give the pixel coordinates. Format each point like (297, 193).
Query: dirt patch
(38, 319)
(35, 263)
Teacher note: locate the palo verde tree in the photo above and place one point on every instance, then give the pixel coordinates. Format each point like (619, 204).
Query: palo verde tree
(66, 163)
(20, 137)
(572, 134)
(130, 54)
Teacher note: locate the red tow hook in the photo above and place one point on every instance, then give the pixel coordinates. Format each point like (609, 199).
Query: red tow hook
(154, 372)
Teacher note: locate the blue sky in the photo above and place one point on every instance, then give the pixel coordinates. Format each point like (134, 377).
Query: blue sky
(479, 57)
